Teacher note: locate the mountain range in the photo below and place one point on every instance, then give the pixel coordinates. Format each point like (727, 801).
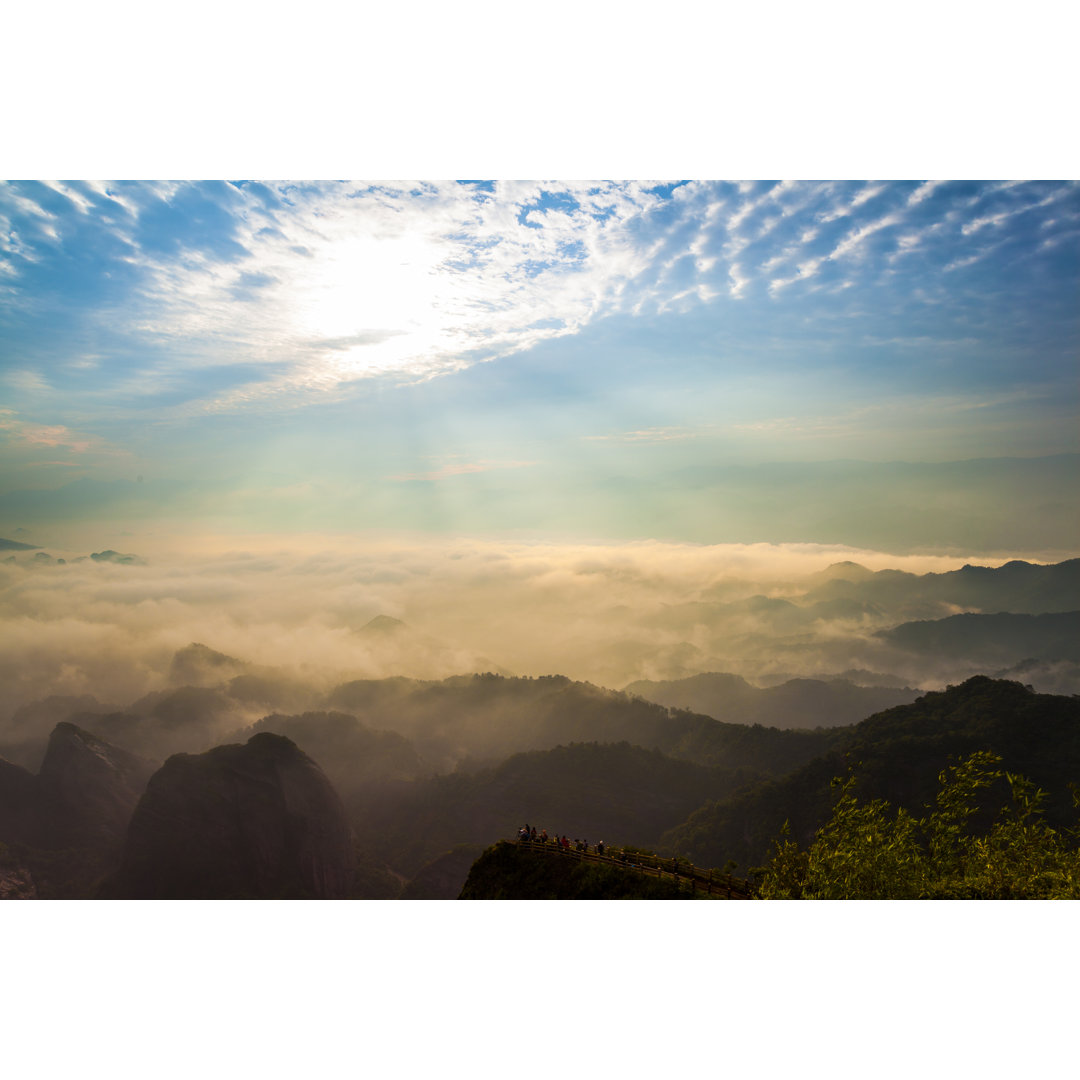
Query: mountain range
(236, 779)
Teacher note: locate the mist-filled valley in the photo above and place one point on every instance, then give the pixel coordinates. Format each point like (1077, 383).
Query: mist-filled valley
(364, 722)
(297, 623)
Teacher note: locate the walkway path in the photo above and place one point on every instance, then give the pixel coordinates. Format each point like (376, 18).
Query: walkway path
(713, 884)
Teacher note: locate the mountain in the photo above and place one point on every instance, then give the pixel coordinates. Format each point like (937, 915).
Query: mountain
(15, 545)
(1017, 586)
(186, 720)
(797, 703)
(111, 556)
(198, 665)
(617, 792)
(18, 791)
(489, 717)
(443, 878)
(898, 755)
(87, 789)
(27, 735)
(83, 795)
(858, 676)
(363, 764)
(383, 626)
(999, 639)
(65, 826)
(509, 871)
(257, 821)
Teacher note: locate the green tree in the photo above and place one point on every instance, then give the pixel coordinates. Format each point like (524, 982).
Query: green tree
(867, 851)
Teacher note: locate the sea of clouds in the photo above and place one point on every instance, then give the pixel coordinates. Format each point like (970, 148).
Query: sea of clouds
(605, 613)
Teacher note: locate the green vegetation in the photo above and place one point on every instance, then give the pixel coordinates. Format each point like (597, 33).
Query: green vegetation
(869, 851)
(684, 785)
(510, 871)
(604, 791)
(489, 717)
(73, 873)
(900, 753)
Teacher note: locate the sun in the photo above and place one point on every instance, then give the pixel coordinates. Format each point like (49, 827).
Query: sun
(366, 284)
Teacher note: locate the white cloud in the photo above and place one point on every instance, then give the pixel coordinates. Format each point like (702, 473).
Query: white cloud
(462, 468)
(923, 191)
(411, 280)
(111, 630)
(455, 277)
(646, 435)
(853, 241)
(26, 381)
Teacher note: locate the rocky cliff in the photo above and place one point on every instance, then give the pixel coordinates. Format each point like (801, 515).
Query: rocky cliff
(257, 821)
(87, 790)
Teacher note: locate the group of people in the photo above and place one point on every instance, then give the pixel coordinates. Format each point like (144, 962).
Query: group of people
(529, 833)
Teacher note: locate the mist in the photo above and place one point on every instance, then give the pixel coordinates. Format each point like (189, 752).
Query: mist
(302, 610)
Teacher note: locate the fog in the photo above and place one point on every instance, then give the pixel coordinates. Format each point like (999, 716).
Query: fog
(302, 609)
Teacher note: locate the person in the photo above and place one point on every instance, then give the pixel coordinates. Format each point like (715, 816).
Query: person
(543, 836)
(600, 848)
(585, 845)
(532, 835)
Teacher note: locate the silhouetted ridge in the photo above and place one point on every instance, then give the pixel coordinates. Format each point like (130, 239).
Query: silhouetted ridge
(18, 790)
(510, 871)
(254, 821)
(383, 625)
(87, 789)
(796, 703)
(999, 638)
(196, 664)
(1019, 587)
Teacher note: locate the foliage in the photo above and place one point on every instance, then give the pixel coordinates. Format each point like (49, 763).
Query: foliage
(507, 872)
(595, 791)
(901, 752)
(868, 851)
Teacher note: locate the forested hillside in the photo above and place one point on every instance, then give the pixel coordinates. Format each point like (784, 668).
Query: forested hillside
(898, 755)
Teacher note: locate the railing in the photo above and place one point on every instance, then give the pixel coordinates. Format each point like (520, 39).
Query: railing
(710, 882)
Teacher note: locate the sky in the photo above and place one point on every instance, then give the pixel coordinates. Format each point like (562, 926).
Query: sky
(690, 361)
(140, 337)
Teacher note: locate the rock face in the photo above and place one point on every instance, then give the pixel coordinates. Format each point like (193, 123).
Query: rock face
(87, 790)
(18, 791)
(62, 830)
(258, 821)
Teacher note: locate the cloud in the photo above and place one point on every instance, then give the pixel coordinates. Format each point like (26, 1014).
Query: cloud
(344, 283)
(461, 468)
(591, 611)
(646, 435)
(27, 382)
(49, 435)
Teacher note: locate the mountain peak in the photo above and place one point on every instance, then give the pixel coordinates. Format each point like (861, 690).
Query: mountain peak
(384, 625)
(197, 664)
(254, 821)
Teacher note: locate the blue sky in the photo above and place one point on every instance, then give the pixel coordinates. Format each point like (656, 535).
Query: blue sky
(680, 360)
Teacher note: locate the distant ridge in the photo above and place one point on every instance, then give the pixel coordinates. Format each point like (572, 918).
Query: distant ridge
(14, 545)
(383, 625)
(797, 703)
(1004, 637)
